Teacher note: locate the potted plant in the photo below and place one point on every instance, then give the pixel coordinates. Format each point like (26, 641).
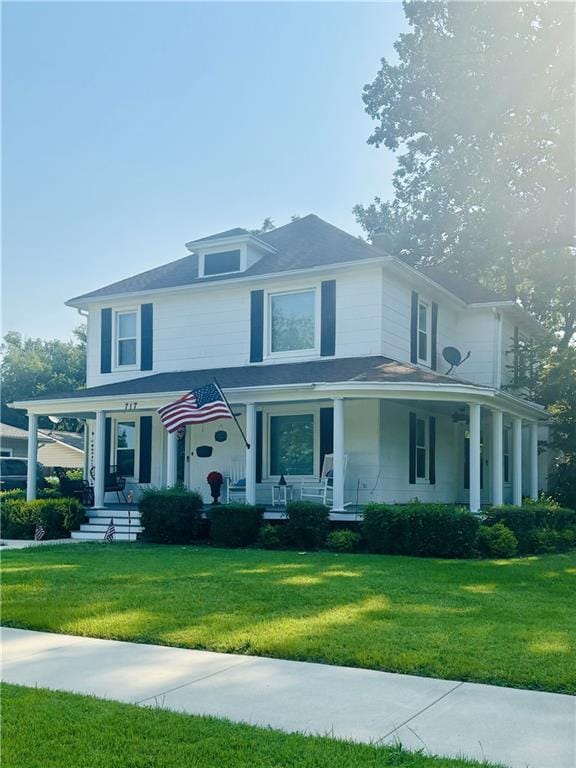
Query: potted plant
(215, 480)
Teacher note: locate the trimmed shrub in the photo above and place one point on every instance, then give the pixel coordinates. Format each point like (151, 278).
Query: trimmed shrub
(271, 537)
(307, 525)
(235, 525)
(57, 516)
(344, 540)
(524, 521)
(496, 541)
(423, 530)
(170, 515)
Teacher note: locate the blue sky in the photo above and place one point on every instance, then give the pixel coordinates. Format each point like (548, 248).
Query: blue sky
(131, 128)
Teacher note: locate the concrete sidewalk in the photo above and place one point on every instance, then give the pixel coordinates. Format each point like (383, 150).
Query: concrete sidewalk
(515, 727)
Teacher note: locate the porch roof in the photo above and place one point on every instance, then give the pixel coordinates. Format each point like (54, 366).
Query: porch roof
(373, 369)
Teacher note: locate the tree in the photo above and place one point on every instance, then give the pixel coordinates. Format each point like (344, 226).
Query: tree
(36, 367)
(266, 226)
(481, 105)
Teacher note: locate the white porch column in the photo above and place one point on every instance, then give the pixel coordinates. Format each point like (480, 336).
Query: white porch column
(251, 453)
(99, 458)
(32, 457)
(497, 459)
(474, 461)
(338, 468)
(172, 459)
(517, 461)
(534, 460)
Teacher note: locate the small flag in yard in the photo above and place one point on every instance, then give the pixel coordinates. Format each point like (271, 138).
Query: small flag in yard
(196, 407)
(110, 531)
(39, 533)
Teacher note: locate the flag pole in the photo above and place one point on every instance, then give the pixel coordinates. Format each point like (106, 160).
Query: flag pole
(232, 412)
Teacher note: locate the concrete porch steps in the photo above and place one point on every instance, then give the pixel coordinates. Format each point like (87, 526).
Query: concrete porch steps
(99, 519)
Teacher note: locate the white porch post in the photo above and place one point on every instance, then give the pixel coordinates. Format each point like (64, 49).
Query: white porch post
(99, 458)
(474, 461)
(497, 459)
(32, 457)
(517, 461)
(251, 453)
(534, 460)
(172, 459)
(338, 467)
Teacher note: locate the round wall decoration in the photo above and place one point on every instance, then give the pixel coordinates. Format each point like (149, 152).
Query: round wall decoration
(221, 436)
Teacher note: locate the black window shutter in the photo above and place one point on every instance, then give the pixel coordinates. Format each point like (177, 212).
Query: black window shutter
(434, 340)
(146, 340)
(107, 445)
(105, 340)
(432, 451)
(258, 446)
(326, 433)
(412, 450)
(328, 319)
(256, 326)
(145, 469)
(414, 329)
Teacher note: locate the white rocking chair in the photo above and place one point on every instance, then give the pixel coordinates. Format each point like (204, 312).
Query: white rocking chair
(236, 482)
(324, 490)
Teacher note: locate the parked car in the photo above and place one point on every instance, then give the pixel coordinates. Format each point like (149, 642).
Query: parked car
(14, 472)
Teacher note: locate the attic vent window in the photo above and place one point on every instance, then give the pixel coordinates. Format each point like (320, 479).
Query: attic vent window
(221, 263)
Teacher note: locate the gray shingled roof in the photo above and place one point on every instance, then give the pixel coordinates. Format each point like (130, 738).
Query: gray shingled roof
(305, 242)
(71, 439)
(368, 369)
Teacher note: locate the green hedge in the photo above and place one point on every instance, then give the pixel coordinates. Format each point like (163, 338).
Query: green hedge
(423, 530)
(57, 516)
(235, 525)
(170, 516)
(528, 521)
(307, 526)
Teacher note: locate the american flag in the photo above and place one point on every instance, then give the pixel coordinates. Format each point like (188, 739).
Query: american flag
(110, 531)
(196, 407)
(39, 533)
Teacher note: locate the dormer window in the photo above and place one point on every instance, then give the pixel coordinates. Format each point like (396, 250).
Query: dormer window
(221, 263)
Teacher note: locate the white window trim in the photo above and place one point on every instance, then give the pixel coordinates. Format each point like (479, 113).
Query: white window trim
(426, 479)
(292, 353)
(114, 447)
(222, 249)
(126, 311)
(294, 410)
(424, 360)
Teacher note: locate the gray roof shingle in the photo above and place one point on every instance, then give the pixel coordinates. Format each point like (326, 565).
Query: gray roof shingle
(367, 369)
(305, 242)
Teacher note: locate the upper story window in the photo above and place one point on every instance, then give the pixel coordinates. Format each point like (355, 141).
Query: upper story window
(292, 322)
(423, 332)
(126, 338)
(221, 263)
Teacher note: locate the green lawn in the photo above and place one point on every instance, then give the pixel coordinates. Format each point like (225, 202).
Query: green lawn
(42, 729)
(508, 622)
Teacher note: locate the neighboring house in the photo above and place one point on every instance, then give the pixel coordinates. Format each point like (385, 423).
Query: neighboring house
(61, 449)
(13, 441)
(55, 449)
(324, 344)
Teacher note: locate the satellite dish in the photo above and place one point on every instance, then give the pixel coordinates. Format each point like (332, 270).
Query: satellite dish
(55, 419)
(453, 357)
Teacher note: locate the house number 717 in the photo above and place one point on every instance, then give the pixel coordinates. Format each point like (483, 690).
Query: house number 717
(130, 406)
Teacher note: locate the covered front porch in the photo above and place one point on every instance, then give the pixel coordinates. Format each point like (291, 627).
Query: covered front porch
(387, 441)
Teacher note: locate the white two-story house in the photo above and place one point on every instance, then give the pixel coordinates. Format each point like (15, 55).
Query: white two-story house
(323, 344)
